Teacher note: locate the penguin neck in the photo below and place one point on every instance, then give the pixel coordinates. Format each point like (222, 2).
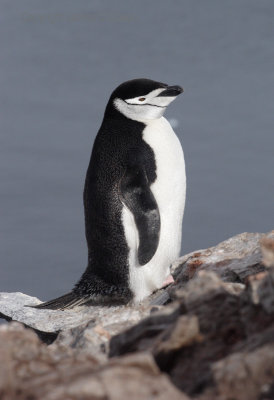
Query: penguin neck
(112, 114)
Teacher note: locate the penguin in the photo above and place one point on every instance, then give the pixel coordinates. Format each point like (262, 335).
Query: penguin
(134, 199)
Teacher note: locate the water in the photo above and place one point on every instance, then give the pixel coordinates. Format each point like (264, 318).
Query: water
(60, 60)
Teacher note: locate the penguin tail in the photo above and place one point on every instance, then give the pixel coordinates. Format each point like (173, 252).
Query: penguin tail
(66, 301)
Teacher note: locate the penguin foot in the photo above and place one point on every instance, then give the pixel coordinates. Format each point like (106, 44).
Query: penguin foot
(169, 279)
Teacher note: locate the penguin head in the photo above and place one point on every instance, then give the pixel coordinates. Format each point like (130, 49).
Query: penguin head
(142, 99)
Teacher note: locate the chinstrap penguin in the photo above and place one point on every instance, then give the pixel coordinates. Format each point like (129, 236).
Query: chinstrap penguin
(134, 199)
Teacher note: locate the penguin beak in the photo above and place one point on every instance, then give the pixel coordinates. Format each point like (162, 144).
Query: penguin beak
(171, 91)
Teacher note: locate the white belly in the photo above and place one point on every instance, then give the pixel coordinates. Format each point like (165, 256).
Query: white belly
(169, 190)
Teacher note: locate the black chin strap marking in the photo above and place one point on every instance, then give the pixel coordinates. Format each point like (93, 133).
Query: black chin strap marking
(146, 104)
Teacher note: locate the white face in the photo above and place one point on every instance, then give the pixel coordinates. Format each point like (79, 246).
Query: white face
(144, 108)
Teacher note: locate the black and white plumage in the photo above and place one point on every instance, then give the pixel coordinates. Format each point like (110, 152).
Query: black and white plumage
(134, 199)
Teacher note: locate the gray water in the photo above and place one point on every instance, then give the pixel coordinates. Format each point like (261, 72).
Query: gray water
(59, 62)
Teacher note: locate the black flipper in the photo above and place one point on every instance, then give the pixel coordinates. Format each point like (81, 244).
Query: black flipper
(138, 197)
(68, 300)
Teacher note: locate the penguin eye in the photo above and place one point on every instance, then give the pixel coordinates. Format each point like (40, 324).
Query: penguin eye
(142, 99)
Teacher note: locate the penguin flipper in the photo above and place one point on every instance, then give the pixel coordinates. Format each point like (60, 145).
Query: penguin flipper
(137, 196)
(66, 301)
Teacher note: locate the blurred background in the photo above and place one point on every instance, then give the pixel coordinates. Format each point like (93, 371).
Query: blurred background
(60, 61)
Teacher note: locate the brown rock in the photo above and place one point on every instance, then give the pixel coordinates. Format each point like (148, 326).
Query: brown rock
(136, 377)
(242, 376)
(184, 332)
(31, 370)
(205, 325)
(267, 247)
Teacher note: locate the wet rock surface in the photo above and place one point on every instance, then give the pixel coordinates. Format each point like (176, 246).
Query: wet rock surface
(210, 335)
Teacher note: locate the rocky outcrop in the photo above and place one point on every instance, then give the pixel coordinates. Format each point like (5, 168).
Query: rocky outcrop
(213, 338)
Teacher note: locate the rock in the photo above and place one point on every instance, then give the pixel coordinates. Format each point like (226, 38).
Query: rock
(242, 376)
(261, 289)
(202, 328)
(13, 306)
(83, 327)
(31, 370)
(201, 288)
(137, 377)
(211, 332)
(233, 260)
(267, 247)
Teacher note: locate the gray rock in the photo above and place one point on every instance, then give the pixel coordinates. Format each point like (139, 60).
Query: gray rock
(12, 306)
(85, 328)
(94, 335)
(233, 260)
